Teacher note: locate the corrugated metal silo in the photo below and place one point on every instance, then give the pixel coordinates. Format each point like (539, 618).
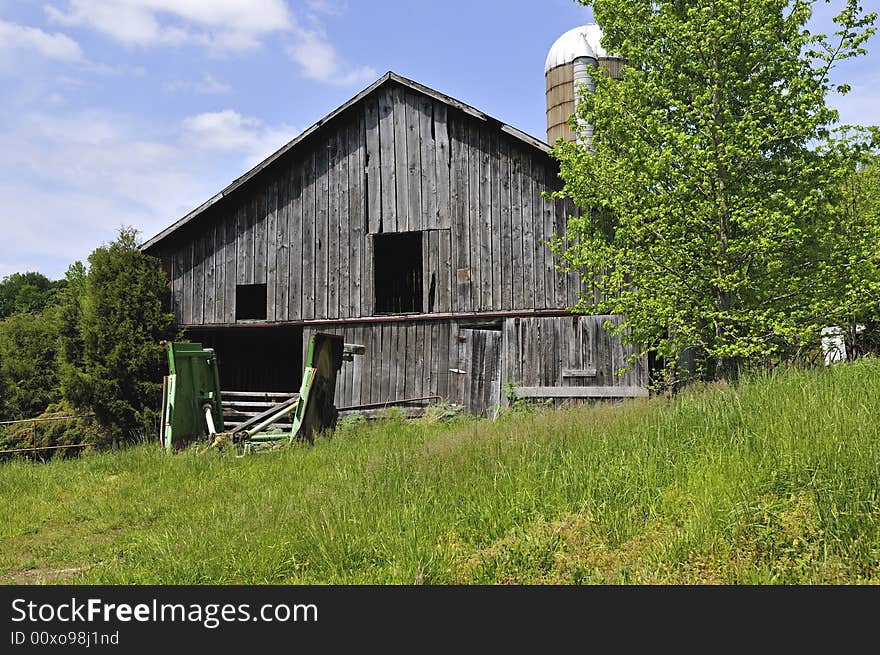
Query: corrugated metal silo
(572, 60)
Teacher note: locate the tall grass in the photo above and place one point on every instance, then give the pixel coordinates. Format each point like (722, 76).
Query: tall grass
(774, 480)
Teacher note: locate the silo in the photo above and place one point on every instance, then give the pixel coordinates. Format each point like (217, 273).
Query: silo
(572, 60)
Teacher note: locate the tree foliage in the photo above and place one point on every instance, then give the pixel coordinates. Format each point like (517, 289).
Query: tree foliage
(111, 326)
(712, 192)
(28, 370)
(27, 292)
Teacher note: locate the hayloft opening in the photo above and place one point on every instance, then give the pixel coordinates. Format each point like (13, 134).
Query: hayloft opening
(250, 302)
(397, 262)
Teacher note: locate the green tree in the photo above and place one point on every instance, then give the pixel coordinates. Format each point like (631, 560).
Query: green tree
(712, 184)
(27, 292)
(112, 363)
(28, 370)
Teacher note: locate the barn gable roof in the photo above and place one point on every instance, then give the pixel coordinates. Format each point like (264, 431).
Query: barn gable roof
(385, 79)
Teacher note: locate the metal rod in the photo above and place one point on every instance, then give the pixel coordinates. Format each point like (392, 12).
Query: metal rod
(27, 450)
(47, 418)
(390, 402)
(400, 318)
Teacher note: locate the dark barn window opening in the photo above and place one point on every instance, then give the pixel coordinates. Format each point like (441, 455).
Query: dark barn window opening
(397, 260)
(250, 302)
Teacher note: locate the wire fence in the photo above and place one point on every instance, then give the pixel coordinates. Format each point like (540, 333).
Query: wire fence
(33, 448)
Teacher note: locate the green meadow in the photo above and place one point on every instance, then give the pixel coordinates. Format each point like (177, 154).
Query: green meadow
(774, 480)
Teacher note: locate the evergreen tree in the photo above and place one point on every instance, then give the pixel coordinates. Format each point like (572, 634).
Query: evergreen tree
(112, 363)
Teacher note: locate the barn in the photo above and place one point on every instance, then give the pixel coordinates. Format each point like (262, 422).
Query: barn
(408, 222)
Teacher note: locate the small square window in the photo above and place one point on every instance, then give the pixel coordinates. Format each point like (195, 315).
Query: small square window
(397, 260)
(250, 302)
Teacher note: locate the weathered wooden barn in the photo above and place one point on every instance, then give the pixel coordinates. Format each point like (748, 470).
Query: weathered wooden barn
(408, 222)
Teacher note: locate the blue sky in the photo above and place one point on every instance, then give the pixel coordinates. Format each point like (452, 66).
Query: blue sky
(133, 112)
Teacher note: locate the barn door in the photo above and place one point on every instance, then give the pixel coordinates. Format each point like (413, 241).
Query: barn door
(480, 362)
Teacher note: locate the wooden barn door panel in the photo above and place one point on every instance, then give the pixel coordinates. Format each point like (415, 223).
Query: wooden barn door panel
(480, 363)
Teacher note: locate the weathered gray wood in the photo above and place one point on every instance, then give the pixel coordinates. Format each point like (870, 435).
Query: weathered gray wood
(334, 218)
(461, 298)
(496, 229)
(219, 270)
(428, 163)
(581, 392)
(414, 168)
(270, 248)
(260, 219)
(231, 276)
(373, 165)
(442, 164)
(322, 227)
(578, 373)
(282, 283)
(198, 280)
(484, 191)
(509, 274)
(528, 234)
(515, 264)
(401, 161)
(357, 222)
(295, 221)
(444, 273)
(310, 251)
(388, 162)
(549, 221)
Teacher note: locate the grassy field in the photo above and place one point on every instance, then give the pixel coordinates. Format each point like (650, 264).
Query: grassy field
(774, 481)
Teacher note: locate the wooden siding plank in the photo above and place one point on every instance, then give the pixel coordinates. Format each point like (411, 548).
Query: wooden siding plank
(271, 248)
(496, 228)
(295, 264)
(401, 223)
(388, 162)
(357, 222)
(198, 280)
(507, 270)
(516, 266)
(373, 165)
(528, 233)
(334, 173)
(442, 164)
(260, 246)
(582, 392)
(459, 195)
(281, 246)
(309, 236)
(322, 228)
(428, 168)
(444, 274)
(546, 256)
(484, 220)
(231, 228)
(178, 276)
(210, 249)
(414, 166)
(219, 270)
(561, 278)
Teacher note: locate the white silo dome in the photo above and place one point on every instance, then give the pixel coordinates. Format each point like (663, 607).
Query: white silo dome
(582, 41)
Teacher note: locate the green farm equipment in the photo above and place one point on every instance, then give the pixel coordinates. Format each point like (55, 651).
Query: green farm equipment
(192, 408)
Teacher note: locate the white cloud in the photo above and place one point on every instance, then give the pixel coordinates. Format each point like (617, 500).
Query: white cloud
(229, 131)
(328, 7)
(319, 61)
(56, 46)
(207, 85)
(69, 180)
(219, 24)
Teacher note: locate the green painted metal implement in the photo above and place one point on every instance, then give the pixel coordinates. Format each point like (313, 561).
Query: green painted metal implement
(189, 411)
(191, 404)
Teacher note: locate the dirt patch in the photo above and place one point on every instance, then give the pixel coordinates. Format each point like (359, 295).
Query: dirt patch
(42, 575)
